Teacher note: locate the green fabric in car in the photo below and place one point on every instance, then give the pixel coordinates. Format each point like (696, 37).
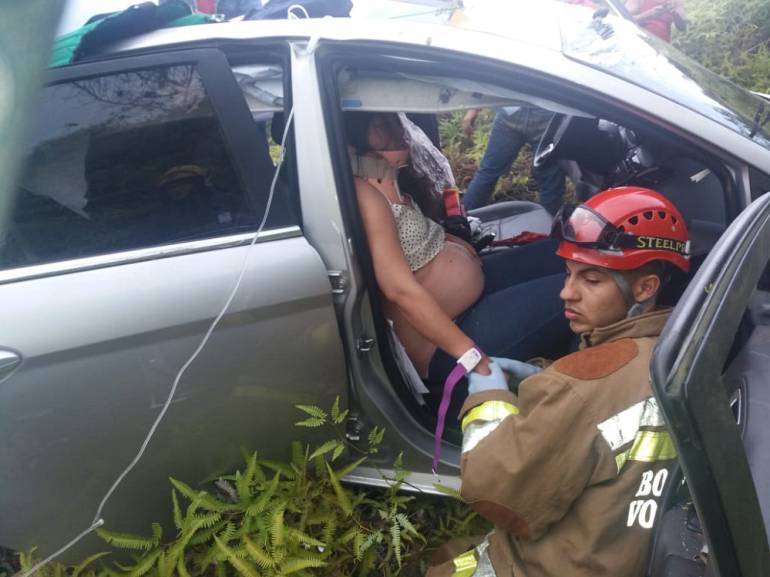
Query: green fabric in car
(90, 39)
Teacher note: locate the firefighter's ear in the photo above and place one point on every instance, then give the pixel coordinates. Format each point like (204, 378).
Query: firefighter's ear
(645, 287)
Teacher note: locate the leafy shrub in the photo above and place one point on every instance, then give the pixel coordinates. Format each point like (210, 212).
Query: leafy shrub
(272, 518)
(465, 153)
(731, 37)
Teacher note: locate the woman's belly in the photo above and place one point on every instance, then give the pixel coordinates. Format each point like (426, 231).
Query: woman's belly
(455, 280)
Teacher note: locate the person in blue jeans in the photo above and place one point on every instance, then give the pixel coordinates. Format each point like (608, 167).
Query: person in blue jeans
(513, 127)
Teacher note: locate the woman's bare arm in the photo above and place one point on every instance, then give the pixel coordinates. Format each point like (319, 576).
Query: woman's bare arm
(398, 283)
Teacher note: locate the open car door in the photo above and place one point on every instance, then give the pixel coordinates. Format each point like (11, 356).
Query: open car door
(710, 375)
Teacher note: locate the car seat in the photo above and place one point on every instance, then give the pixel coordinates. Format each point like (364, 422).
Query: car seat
(510, 218)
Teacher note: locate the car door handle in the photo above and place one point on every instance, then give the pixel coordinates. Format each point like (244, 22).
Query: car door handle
(9, 362)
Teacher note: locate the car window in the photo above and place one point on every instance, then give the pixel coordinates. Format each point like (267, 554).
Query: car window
(262, 86)
(123, 161)
(599, 153)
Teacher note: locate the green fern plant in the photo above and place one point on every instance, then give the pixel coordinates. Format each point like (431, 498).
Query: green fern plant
(292, 518)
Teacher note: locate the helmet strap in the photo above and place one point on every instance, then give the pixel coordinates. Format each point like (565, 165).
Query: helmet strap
(637, 309)
(633, 308)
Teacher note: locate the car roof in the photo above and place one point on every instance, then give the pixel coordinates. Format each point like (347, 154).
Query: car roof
(470, 30)
(544, 36)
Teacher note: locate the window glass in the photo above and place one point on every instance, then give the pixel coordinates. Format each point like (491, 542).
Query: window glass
(120, 162)
(262, 86)
(655, 65)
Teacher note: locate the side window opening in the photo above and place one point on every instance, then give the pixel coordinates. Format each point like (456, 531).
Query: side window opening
(597, 153)
(263, 87)
(120, 162)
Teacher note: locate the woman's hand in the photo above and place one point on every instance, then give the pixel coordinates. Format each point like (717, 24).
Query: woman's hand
(499, 369)
(494, 380)
(518, 369)
(483, 367)
(469, 121)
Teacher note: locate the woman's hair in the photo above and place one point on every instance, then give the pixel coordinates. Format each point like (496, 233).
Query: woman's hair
(357, 127)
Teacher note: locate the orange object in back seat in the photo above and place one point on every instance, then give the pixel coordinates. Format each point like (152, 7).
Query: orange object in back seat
(452, 202)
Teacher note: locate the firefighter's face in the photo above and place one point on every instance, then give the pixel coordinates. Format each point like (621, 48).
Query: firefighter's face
(591, 297)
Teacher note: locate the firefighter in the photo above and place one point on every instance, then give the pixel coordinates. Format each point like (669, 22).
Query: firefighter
(571, 470)
(190, 205)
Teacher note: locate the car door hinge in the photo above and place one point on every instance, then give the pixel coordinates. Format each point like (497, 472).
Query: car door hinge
(364, 344)
(339, 282)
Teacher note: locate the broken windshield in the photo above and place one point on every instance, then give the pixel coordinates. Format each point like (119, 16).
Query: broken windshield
(622, 49)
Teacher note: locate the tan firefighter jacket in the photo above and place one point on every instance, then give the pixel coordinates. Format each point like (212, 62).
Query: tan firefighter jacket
(571, 471)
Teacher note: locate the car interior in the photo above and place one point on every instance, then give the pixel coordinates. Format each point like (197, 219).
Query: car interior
(598, 153)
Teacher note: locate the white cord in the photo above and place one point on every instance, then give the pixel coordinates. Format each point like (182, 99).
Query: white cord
(290, 15)
(55, 554)
(98, 521)
(434, 12)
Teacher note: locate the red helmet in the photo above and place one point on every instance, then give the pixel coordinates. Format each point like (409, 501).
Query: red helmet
(622, 229)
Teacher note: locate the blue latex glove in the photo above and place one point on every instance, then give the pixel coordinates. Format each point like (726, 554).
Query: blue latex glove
(518, 369)
(496, 380)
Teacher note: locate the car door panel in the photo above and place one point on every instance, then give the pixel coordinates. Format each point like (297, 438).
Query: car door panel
(687, 378)
(102, 338)
(112, 342)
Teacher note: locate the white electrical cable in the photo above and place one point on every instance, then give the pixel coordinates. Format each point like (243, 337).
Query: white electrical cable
(98, 521)
(290, 15)
(435, 12)
(55, 554)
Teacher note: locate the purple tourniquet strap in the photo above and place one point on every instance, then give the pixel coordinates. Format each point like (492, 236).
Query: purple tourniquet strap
(446, 396)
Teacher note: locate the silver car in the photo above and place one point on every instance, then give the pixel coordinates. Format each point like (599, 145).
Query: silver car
(110, 276)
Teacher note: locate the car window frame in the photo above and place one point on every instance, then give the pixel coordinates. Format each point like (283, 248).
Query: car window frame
(272, 52)
(230, 110)
(334, 55)
(221, 88)
(686, 378)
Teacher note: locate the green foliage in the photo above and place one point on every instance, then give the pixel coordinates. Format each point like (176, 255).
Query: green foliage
(465, 152)
(731, 37)
(296, 518)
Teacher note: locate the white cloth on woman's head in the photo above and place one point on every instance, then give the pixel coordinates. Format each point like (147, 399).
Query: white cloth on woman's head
(427, 160)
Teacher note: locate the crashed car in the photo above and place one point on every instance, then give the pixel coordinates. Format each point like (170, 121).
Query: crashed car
(109, 286)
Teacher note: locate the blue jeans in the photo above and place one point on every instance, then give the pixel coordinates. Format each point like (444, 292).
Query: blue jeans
(509, 133)
(519, 316)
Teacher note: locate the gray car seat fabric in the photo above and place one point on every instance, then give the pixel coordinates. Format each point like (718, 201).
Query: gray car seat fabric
(507, 219)
(699, 195)
(747, 383)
